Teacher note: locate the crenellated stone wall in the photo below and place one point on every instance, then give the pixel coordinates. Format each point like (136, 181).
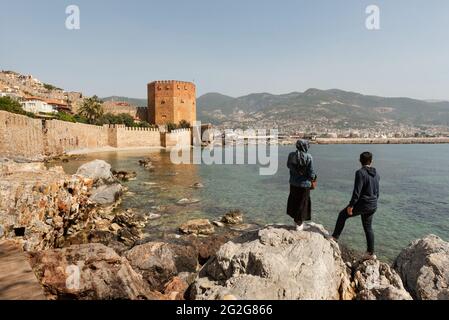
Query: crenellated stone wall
(125, 137)
(24, 137)
(180, 137)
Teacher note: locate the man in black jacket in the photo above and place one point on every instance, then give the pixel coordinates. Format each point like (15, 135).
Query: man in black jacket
(363, 202)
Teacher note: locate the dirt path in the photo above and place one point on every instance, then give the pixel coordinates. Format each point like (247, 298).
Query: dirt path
(17, 280)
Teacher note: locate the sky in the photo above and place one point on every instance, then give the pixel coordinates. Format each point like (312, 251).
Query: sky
(234, 47)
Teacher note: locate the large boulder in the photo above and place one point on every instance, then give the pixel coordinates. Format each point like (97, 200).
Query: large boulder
(106, 194)
(89, 272)
(158, 262)
(375, 280)
(274, 263)
(98, 170)
(424, 268)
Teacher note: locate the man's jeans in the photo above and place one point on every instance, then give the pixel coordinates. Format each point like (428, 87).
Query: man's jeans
(367, 220)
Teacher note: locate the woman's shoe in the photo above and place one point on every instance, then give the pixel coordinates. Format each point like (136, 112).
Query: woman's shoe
(369, 256)
(300, 228)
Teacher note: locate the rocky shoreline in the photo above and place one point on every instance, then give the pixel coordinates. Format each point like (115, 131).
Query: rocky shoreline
(82, 246)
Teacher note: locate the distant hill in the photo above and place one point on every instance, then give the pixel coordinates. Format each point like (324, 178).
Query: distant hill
(336, 105)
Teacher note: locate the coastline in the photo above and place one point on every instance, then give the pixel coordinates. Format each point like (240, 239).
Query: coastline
(110, 149)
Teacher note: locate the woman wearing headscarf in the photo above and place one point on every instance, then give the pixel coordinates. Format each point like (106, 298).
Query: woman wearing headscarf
(302, 180)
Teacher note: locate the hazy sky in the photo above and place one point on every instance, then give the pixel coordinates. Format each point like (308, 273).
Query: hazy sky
(234, 47)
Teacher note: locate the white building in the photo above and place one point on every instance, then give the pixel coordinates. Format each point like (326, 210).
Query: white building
(36, 106)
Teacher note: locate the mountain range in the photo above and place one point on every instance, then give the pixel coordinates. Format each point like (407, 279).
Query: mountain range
(331, 108)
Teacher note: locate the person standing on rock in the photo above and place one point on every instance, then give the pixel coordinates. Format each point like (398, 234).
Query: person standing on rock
(363, 202)
(302, 180)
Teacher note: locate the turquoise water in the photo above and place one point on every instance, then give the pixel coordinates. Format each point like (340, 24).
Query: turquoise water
(414, 191)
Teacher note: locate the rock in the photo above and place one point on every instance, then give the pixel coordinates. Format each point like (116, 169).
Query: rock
(124, 175)
(424, 268)
(158, 262)
(175, 289)
(43, 205)
(218, 224)
(233, 217)
(97, 170)
(106, 194)
(88, 272)
(197, 185)
(2, 231)
(197, 227)
(275, 263)
(375, 280)
(207, 247)
(102, 225)
(146, 163)
(186, 201)
(115, 227)
(154, 216)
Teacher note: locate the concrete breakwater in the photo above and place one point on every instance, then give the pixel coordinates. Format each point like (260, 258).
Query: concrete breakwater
(35, 139)
(437, 140)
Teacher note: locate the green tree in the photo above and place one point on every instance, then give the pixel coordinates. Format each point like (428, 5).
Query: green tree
(13, 106)
(92, 109)
(171, 126)
(183, 124)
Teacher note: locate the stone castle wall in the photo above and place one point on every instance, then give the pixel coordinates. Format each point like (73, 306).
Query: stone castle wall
(64, 136)
(180, 137)
(24, 137)
(123, 137)
(20, 136)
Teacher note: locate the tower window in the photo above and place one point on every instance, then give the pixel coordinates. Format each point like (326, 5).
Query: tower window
(163, 102)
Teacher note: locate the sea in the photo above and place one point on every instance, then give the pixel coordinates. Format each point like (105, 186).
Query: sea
(414, 199)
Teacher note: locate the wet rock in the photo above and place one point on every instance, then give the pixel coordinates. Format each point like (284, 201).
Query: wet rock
(98, 170)
(218, 224)
(154, 216)
(276, 263)
(124, 175)
(88, 272)
(186, 201)
(197, 185)
(158, 262)
(107, 194)
(233, 217)
(375, 280)
(197, 227)
(424, 268)
(147, 164)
